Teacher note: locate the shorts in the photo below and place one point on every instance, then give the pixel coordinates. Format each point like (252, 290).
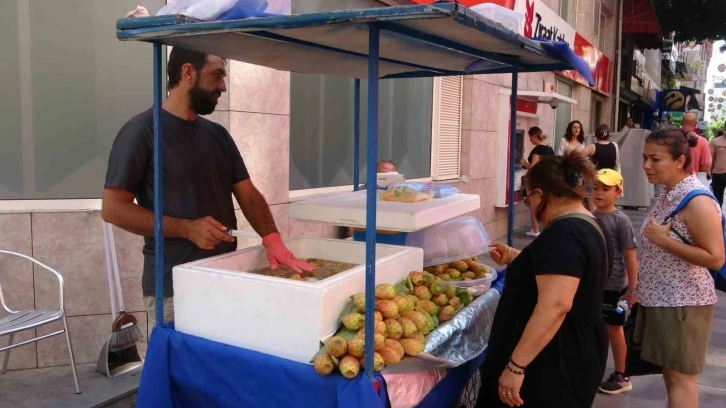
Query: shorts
(675, 338)
(610, 299)
(150, 304)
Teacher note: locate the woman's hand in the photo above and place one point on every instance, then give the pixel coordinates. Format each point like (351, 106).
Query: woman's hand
(657, 233)
(509, 386)
(524, 163)
(502, 253)
(630, 298)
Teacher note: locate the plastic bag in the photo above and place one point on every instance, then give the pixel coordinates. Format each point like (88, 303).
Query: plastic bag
(439, 190)
(406, 193)
(201, 9)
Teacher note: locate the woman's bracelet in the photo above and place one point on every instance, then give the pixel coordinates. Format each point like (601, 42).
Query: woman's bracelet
(516, 365)
(513, 371)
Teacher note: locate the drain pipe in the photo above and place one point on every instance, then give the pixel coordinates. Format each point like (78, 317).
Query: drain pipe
(619, 62)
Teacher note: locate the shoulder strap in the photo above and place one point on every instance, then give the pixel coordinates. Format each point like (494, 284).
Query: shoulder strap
(595, 224)
(685, 200)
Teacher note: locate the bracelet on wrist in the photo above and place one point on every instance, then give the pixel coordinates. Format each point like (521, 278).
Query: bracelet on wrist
(521, 367)
(513, 371)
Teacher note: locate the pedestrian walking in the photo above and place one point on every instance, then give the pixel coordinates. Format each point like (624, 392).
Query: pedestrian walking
(603, 153)
(573, 140)
(718, 166)
(675, 289)
(700, 152)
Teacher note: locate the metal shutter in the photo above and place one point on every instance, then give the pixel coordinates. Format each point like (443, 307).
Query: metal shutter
(446, 128)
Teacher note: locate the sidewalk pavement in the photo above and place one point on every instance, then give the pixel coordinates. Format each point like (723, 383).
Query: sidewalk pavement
(649, 391)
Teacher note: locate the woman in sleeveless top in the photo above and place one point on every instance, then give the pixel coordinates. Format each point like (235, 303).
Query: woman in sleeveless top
(604, 153)
(548, 345)
(539, 152)
(573, 140)
(675, 289)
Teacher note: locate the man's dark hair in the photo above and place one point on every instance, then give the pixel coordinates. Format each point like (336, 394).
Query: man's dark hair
(177, 58)
(720, 133)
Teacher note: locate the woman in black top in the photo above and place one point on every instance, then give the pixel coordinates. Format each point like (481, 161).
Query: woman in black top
(604, 153)
(548, 345)
(540, 151)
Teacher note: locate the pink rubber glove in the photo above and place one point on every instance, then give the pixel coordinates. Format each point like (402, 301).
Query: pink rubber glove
(277, 253)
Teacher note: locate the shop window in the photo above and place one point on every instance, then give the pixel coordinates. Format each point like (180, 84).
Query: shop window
(75, 85)
(596, 17)
(567, 11)
(321, 129)
(595, 114)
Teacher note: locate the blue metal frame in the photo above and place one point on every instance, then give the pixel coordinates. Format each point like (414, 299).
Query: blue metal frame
(158, 190)
(356, 134)
(512, 157)
(371, 185)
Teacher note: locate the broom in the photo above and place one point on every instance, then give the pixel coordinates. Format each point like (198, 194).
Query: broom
(125, 332)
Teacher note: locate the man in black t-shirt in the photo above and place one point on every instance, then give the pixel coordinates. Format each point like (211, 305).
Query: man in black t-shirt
(202, 169)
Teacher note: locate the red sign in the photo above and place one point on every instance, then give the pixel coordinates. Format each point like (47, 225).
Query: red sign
(599, 64)
(526, 106)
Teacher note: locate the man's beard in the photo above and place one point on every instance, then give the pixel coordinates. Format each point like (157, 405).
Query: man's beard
(202, 101)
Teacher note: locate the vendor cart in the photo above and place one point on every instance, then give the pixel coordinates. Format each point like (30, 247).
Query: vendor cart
(444, 39)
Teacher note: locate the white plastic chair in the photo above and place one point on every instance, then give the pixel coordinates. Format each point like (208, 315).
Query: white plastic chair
(21, 320)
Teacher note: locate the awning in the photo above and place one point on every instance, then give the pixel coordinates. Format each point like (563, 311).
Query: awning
(641, 22)
(417, 41)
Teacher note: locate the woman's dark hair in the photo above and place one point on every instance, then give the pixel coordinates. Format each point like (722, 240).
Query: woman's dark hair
(677, 141)
(560, 177)
(177, 58)
(537, 132)
(602, 132)
(568, 132)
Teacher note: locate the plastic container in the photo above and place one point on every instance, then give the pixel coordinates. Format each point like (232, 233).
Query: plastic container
(450, 241)
(508, 18)
(477, 287)
(216, 299)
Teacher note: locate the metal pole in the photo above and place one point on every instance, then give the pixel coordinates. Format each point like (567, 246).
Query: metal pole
(158, 189)
(512, 157)
(371, 186)
(619, 63)
(356, 134)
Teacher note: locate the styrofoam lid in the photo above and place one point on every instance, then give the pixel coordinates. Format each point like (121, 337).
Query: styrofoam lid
(451, 240)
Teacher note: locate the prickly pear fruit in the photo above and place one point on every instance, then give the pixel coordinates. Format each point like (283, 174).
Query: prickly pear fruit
(437, 287)
(393, 328)
(378, 316)
(418, 319)
(412, 347)
(428, 278)
(390, 356)
(295, 276)
(356, 347)
(337, 346)
(404, 303)
(440, 300)
(379, 341)
(429, 306)
(468, 275)
(395, 345)
(414, 300)
(422, 292)
(353, 321)
(455, 302)
(418, 336)
(388, 308)
(360, 302)
(459, 266)
(416, 278)
(408, 328)
(385, 291)
(447, 312)
(349, 366)
(439, 269)
(445, 277)
(454, 274)
(450, 291)
(378, 362)
(323, 364)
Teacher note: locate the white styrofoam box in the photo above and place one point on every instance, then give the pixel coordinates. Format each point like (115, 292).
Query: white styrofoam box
(510, 19)
(349, 209)
(216, 300)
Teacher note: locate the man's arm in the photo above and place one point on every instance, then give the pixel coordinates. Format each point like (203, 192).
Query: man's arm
(254, 207)
(118, 208)
(706, 160)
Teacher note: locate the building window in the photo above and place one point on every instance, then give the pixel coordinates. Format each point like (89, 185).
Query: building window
(321, 129)
(563, 113)
(595, 113)
(75, 86)
(567, 11)
(596, 17)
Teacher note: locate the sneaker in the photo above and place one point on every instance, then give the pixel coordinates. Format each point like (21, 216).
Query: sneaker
(616, 384)
(532, 234)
